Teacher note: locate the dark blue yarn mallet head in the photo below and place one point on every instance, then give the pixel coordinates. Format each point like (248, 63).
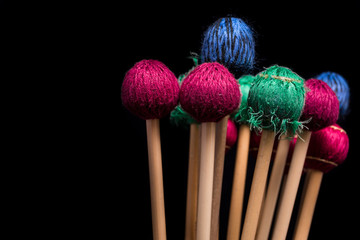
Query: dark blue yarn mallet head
(230, 42)
(341, 88)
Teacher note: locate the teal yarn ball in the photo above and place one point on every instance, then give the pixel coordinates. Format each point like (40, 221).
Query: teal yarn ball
(245, 84)
(275, 102)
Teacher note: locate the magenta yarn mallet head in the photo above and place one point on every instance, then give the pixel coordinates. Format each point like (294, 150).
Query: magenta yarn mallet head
(327, 149)
(231, 135)
(150, 90)
(321, 105)
(210, 92)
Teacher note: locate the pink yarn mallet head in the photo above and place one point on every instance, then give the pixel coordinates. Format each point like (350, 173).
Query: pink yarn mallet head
(150, 90)
(321, 105)
(327, 149)
(231, 135)
(210, 92)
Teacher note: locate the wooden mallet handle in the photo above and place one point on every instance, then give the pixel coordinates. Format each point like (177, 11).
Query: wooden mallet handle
(220, 145)
(239, 179)
(258, 185)
(193, 182)
(287, 201)
(156, 179)
(206, 178)
(272, 192)
(307, 205)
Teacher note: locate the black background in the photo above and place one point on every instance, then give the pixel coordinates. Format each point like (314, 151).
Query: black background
(79, 158)
(306, 37)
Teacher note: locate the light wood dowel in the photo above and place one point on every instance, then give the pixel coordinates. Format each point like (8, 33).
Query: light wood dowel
(273, 188)
(238, 187)
(156, 179)
(281, 194)
(206, 178)
(286, 205)
(258, 185)
(220, 145)
(193, 182)
(307, 207)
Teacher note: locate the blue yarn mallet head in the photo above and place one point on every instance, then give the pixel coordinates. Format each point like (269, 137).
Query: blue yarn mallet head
(230, 42)
(341, 88)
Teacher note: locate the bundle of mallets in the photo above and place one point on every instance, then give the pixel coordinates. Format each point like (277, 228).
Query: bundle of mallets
(276, 103)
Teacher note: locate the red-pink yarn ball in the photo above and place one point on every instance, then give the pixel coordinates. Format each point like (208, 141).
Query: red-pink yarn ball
(231, 134)
(210, 92)
(150, 90)
(321, 105)
(327, 148)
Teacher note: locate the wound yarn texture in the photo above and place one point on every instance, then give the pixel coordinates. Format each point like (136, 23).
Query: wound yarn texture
(150, 90)
(321, 105)
(341, 88)
(275, 102)
(328, 148)
(210, 92)
(230, 42)
(245, 84)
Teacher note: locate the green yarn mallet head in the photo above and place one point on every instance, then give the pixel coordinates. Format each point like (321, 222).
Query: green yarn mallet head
(245, 84)
(275, 102)
(181, 118)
